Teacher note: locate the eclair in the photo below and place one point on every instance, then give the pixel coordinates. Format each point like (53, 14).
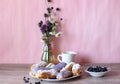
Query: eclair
(69, 66)
(76, 69)
(43, 74)
(64, 74)
(50, 65)
(40, 64)
(34, 71)
(59, 66)
(46, 73)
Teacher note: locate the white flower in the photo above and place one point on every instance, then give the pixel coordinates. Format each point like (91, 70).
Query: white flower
(58, 34)
(52, 20)
(41, 41)
(51, 33)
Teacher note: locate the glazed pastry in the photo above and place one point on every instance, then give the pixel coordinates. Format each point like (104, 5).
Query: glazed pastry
(43, 74)
(64, 74)
(76, 69)
(59, 66)
(32, 67)
(63, 69)
(50, 65)
(40, 64)
(69, 66)
(46, 73)
(53, 73)
(34, 71)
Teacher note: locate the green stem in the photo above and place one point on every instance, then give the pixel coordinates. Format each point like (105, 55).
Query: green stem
(47, 52)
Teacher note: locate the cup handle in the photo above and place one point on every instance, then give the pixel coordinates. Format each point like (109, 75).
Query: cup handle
(59, 58)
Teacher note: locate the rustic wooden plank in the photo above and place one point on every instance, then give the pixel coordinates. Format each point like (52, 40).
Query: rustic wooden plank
(14, 73)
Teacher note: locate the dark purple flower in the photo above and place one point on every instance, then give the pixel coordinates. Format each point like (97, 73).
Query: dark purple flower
(48, 22)
(49, 26)
(43, 28)
(40, 23)
(49, 29)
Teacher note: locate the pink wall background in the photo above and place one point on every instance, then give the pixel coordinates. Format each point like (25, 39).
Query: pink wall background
(90, 27)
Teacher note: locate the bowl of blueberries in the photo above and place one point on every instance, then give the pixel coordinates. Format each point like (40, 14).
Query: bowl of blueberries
(97, 71)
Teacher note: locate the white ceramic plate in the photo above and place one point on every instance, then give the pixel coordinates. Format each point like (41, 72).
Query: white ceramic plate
(55, 79)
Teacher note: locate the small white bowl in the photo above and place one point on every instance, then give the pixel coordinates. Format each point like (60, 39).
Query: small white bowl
(97, 74)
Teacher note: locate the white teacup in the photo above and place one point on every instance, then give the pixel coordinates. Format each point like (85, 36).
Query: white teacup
(66, 57)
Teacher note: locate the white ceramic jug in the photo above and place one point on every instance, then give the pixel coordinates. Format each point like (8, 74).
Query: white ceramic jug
(66, 57)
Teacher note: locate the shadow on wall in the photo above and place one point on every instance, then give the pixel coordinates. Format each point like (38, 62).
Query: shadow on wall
(56, 48)
(82, 58)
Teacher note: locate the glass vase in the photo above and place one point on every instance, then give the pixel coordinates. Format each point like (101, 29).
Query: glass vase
(47, 55)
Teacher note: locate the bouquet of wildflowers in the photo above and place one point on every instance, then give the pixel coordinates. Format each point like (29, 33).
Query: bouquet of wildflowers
(49, 29)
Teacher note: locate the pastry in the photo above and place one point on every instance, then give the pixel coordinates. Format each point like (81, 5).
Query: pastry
(50, 65)
(76, 69)
(69, 66)
(40, 64)
(32, 67)
(53, 73)
(34, 71)
(46, 73)
(64, 74)
(63, 69)
(59, 66)
(42, 74)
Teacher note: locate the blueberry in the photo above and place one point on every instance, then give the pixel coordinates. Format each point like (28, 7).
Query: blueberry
(90, 69)
(104, 69)
(26, 81)
(37, 83)
(24, 77)
(97, 69)
(28, 78)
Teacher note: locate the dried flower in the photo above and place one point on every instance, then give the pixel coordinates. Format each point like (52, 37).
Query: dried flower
(40, 23)
(57, 9)
(52, 8)
(61, 18)
(49, 27)
(46, 15)
(49, 10)
(49, 0)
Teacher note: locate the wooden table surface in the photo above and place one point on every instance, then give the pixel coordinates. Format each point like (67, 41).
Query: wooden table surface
(14, 73)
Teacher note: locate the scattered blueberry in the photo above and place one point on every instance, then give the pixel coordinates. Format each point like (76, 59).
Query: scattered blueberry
(24, 77)
(37, 83)
(26, 80)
